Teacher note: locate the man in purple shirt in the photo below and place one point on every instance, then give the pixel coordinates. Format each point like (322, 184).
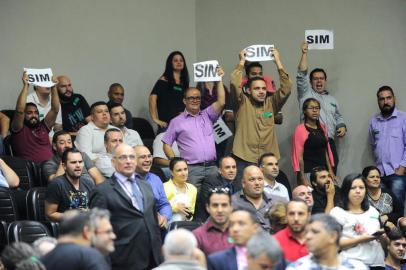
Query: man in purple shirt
(387, 133)
(193, 132)
(213, 235)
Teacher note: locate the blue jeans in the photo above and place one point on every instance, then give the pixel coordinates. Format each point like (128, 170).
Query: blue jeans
(397, 184)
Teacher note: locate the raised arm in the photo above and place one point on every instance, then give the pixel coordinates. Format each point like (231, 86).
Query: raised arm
(221, 95)
(301, 79)
(283, 93)
(236, 75)
(18, 120)
(53, 112)
(4, 125)
(303, 59)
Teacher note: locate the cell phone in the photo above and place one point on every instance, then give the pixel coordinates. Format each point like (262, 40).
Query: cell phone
(378, 233)
(189, 214)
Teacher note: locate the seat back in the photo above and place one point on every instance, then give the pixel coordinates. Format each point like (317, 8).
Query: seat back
(35, 201)
(188, 225)
(3, 235)
(158, 171)
(8, 206)
(26, 231)
(143, 127)
(23, 169)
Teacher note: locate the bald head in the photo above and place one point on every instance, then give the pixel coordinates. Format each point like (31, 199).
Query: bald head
(253, 182)
(64, 86)
(179, 244)
(303, 193)
(144, 159)
(124, 160)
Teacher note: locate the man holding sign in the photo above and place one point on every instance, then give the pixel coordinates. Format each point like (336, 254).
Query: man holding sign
(29, 135)
(193, 132)
(330, 114)
(255, 133)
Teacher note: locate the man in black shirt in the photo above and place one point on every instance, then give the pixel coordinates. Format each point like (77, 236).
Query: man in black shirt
(325, 193)
(116, 95)
(68, 191)
(73, 250)
(75, 109)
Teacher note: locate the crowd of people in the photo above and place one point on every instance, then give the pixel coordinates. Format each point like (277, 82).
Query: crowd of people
(115, 213)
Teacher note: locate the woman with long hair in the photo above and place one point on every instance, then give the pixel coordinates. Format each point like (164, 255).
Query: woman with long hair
(310, 146)
(360, 221)
(382, 199)
(181, 195)
(166, 98)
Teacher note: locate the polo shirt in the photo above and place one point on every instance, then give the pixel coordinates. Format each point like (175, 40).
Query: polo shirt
(291, 247)
(277, 192)
(211, 239)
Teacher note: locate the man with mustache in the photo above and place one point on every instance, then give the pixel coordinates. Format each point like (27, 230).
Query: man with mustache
(75, 109)
(387, 133)
(29, 135)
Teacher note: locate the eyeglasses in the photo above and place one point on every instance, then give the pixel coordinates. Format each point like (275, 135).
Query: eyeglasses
(220, 190)
(313, 108)
(123, 158)
(194, 98)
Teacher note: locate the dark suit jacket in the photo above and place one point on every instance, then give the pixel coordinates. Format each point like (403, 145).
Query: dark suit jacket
(138, 234)
(223, 260)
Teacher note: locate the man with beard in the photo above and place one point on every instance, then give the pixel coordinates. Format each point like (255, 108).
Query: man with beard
(68, 191)
(292, 238)
(142, 172)
(255, 132)
(53, 168)
(325, 192)
(213, 235)
(29, 135)
(273, 189)
(103, 235)
(75, 109)
(252, 197)
(116, 95)
(387, 133)
(118, 118)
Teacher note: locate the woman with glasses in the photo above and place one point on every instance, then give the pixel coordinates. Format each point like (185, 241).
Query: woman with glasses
(166, 98)
(310, 146)
(181, 195)
(360, 221)
(381, 198)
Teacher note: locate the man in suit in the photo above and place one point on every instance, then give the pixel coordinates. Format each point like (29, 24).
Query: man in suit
(242, 226)
(133, 214)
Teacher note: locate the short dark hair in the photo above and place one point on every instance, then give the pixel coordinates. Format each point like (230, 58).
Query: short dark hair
(346, 187)
(368, 169)
(223, 158)
(174, 161)
(107, 133)
(298, 200)
(395, 234)
(251, 65)
(113, 105)
(314, 171)
(264, 156)
(31, 104)
(74, 223)
(384, 88)
(250, 212)
(57, 134)
(97, 103)
(317, 70)
(253, 79)
(218, 190)
(66, 153)
(114, 85)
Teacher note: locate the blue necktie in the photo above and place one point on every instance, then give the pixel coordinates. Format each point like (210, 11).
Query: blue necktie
(137, 193)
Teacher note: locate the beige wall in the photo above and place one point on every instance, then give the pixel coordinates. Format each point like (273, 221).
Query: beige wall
(370, 50)
(95, 42)
(98, 42)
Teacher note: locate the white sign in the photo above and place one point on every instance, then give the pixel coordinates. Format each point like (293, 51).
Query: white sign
(256, 53)
(40, 77)
(221, 131)
(206, 71)
(320, 39)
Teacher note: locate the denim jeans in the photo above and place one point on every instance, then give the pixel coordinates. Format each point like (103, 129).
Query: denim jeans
(397, 184)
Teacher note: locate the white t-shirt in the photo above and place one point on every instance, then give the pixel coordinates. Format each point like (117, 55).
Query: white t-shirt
(370, 253)
(158, 147)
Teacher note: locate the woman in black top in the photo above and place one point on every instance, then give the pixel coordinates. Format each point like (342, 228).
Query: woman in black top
(166, 98)
(381, 198)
